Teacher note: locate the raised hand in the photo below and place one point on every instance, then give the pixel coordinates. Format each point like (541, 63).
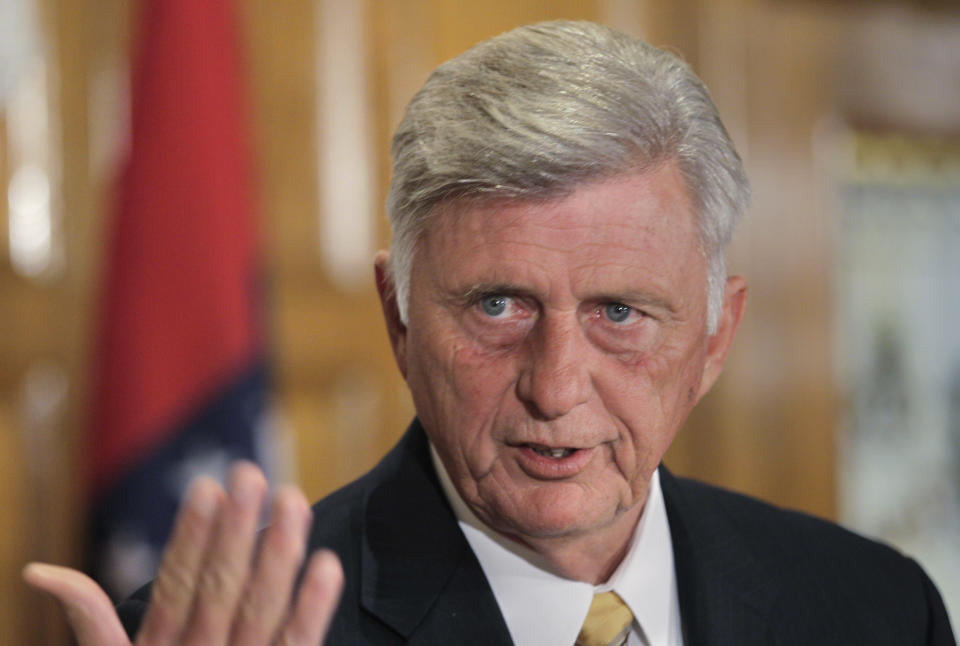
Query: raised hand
(219, 583)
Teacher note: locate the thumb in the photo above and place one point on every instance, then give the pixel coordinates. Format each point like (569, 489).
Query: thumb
(88, 609)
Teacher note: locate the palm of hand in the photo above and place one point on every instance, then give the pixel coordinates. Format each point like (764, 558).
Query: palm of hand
(217, 583)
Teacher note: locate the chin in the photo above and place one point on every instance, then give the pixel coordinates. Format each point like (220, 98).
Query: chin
(540, 518)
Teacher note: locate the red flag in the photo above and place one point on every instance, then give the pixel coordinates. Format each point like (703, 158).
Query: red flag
(180, 319)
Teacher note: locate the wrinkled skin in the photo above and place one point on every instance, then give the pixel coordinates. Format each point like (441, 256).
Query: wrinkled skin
(574, 323)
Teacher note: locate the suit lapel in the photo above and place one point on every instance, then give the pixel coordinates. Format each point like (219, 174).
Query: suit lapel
(725, 595)
(418, 574)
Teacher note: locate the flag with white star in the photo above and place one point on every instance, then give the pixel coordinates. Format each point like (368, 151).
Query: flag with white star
(180, 376)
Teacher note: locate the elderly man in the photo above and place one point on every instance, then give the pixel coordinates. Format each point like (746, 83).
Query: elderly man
(557, 302)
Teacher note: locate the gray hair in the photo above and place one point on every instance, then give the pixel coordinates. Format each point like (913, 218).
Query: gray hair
(541, 109)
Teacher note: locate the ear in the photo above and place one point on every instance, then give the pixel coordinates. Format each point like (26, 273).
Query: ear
(718, 344)
(396, 330)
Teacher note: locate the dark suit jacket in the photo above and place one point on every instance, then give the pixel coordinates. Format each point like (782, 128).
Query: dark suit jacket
(748, 573)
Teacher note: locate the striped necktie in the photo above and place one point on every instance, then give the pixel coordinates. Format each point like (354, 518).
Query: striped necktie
(607, 623)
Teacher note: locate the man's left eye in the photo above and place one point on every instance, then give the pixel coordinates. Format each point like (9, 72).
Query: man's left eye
(617, 312)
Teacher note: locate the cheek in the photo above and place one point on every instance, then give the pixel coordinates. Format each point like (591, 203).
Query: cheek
(675, 371)
(454, 385)
(652, 397)
(461, 397)
(478, 374)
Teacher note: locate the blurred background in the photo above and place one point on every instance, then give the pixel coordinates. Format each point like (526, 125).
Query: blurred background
(273, 118)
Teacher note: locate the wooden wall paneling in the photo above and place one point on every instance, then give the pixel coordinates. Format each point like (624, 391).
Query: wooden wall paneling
(278, 48)
(17, 607)
(44, 349)
(461, 24)
(675, 26)
(324, 334)
(794, 55)
(280, 53)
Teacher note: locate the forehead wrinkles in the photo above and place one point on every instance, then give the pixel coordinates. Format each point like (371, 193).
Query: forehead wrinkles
(545, 230)
(566, 243)
(631, 224)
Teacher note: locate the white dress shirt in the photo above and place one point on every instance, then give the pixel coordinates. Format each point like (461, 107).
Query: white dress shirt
(541, 608)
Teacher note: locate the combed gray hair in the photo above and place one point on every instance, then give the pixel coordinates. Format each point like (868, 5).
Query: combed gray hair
(541, 109)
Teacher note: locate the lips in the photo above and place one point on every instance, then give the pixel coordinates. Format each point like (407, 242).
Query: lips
(543, 462)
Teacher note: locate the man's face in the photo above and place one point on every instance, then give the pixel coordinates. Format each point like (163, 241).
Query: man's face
(554, 348)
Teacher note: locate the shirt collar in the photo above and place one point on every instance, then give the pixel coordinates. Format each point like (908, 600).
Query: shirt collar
(540, 607)
(646, 579)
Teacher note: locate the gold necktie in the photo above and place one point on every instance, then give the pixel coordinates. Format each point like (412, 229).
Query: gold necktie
(607, 623)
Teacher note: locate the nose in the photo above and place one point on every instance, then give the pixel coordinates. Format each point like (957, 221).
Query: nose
(555, 378)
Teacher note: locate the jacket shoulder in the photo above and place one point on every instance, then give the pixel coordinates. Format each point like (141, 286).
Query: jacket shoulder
(814, 572)
(788, 536)
(778, 531)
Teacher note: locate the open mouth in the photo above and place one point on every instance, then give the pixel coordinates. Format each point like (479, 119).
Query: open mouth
(548, 452)
(543, 462)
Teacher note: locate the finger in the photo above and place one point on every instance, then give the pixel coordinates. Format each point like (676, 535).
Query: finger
(316, 601)
(88, 609)
(226, 568)
(266, 600)
(174, 589)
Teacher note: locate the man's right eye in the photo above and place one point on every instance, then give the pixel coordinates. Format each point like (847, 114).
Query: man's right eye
(494, 305)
